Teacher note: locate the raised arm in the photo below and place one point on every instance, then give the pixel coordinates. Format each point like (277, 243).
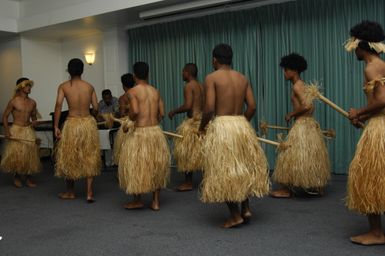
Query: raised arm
(250, 103)
(209, 105)
(187, 103)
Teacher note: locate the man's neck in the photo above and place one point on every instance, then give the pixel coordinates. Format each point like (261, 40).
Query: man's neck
(295, 79)
(23, 95)
(368, 58)
(223, 67)
(142, 82)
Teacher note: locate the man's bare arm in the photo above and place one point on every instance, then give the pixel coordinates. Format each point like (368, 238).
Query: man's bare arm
(34, 115)
(188, 102)
(58, 107)
(122, 105)
(209, 106)
(250, 103)
(161, 109)
(134, 106)
(94, 102)
(6, 114)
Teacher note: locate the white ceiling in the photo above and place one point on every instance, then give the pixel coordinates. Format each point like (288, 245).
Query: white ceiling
(101, 22)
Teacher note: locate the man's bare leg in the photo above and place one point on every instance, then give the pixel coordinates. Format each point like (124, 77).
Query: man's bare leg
(155, 200)
(187, 185)
(17, 181)
(245, 211)
(283, 192)
(90, 193)
(235, 219)
(136, 204)
(375, 236)
(29, 182)
(70, 193)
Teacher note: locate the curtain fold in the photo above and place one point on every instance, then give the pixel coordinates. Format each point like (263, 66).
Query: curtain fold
(316, 29)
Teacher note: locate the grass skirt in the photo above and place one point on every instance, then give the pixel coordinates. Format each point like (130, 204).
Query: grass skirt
(78, 151)
(234, 165)
(366, 182)
(188, 151)
(305, 163)
(144, 162)
(118, 141)
(21, 157)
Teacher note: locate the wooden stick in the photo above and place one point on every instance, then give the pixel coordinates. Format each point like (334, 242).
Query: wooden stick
(268, 141)
(11, 138)
(336, 107)
(329, 132)
(173, 134)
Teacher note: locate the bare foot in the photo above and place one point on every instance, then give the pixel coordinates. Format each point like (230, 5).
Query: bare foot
(369, 239)
(30, 183)
(67, 196)
(232, 222)
(17, 183)
(282, 193)
(186, 186)
(246, 215)
(90, 199)
(155, 206)
(133, 205)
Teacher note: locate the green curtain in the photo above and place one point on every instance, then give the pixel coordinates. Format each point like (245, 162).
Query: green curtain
(316, 29)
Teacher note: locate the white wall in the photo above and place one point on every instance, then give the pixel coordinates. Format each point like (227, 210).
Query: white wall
(115, 59)
(45, 62)
(75, 48)
(10, 70)
(42, 63)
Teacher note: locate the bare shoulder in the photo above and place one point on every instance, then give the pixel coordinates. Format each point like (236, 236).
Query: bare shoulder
(32, 101)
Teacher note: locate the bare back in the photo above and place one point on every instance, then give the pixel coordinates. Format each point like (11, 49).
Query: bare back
(197, 100)
(230, 91)
(79, 96)
(124, 105)
(146, 104)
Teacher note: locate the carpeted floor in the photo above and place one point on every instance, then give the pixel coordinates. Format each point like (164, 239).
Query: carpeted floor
(36, 222)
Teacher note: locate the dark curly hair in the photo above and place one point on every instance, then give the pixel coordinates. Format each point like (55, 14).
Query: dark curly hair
(368, 31)
(294, 61)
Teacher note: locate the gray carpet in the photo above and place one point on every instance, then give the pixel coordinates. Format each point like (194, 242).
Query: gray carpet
(36, 222)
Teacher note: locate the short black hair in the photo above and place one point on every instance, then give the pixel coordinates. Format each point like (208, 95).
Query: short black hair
(223, 53)
(368, 31)
(106, 92)
(75, 67)
(192, 69)
(22, 79)
(127, 80)
(295, 62)
(141, 70)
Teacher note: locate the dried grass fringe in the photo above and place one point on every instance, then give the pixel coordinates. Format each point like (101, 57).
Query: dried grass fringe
(305, 163)
(188, 151)
(366, 182)
(119, 140)
(234, 166)
(78, 151)
(21, 157)
(144, 162)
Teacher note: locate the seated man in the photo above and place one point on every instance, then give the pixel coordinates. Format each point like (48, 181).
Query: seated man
(108, 104)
